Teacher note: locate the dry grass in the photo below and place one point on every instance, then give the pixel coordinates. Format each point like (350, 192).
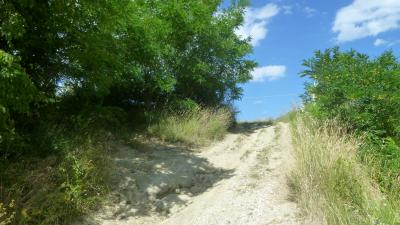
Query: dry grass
(329, 183)
(196, 127)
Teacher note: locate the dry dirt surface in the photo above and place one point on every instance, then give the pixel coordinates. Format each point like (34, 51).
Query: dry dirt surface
(240, 180)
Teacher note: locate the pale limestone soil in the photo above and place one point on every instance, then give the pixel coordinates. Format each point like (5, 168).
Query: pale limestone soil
(240, 180)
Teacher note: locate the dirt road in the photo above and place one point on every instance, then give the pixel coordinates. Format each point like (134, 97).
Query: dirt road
(240, 180)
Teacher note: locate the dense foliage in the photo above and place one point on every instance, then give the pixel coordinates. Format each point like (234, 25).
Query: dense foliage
(66, 55)
(72, 73)
(364, 93)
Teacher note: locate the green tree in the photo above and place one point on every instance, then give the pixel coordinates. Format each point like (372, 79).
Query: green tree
(362, 91)
(72, 55)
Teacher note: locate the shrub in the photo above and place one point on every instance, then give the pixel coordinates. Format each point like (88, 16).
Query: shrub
(69, 178)
(361, 91)
(56, 189)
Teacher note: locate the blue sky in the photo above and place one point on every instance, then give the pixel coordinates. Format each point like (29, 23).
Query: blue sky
(284, 32)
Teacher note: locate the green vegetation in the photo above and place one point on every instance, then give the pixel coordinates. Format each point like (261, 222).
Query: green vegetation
(55, 188)
(340, 162)
(76, 74)
(363, 92)
(66, 57)
(287, 117)
(194, 127)
(330, 183)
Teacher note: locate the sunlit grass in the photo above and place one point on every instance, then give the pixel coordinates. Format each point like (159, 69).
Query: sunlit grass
(195, 127)
(329, 182)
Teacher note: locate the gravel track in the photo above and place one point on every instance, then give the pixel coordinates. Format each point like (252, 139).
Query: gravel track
(241, 180)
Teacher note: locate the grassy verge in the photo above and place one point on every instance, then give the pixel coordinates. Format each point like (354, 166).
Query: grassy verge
(194, 127)
(330, 184)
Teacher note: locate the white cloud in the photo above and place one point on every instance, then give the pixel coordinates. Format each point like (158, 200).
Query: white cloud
(382, 42)
(269, 73)
(309, 11)
(255, 22)
(379, 42)
(365, 18)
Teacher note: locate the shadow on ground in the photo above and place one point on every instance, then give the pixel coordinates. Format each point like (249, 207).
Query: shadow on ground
(155, 178)
(247, 128)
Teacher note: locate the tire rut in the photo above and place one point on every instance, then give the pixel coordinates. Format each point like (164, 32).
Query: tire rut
(240, 180)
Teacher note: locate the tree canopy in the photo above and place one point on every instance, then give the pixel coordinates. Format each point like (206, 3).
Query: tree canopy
(362, 91)
(148, 53)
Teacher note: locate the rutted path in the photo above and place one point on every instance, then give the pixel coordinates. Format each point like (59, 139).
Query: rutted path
(240, 180)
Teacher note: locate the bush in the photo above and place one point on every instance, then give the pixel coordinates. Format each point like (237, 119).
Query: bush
(56, 189)
(361, 91)
(70, 177)
(195, 127)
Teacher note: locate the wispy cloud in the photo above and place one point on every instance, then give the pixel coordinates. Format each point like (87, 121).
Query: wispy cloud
(268, 73)
(364, 18)
(299, 8)
(382, 42)
(255, 22)
(379, 42)
(309, 11)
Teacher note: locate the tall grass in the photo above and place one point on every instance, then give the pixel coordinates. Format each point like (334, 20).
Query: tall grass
(329, 183)
(193, 127)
